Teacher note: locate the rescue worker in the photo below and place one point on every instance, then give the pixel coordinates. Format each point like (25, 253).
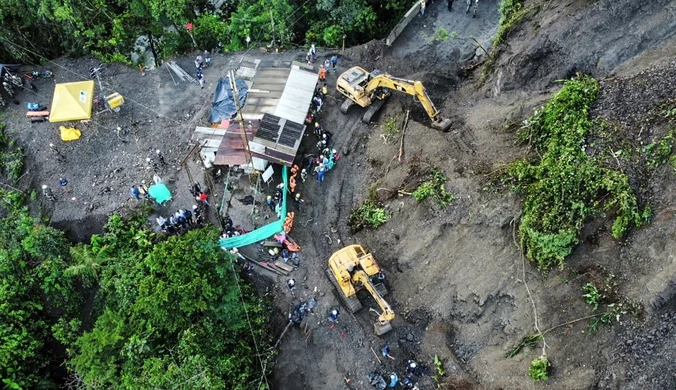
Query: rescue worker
(412, 367)
(292, 286)
(422, 7)
(450, 4)
(135, 192)
(394, 379)
(188, 217)
(333, 314)
(322, 73)
(318, 129)
(47, 192)
(334, 61)
(327, 64)
(325, 89)
(199, 218)
(313, 52)
(299, 202)
(303, 175)
(207, 58)
(143, 190)
(202, 197)
(321, 170)
(271, 203)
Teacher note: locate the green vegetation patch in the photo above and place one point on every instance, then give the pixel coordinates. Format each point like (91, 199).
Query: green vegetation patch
(367, 215)
(11, 156)
(539, 369)
(512, 12)
(165, 313)
(435, 188)
(563, 186)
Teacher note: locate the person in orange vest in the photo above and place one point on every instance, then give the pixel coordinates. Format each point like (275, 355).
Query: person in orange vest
(292, 183)
(322, 73)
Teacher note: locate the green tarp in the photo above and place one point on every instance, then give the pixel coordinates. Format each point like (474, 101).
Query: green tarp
(160, 193)
(263, 232)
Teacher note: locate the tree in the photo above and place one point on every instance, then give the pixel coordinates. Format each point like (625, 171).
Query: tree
(172, 316)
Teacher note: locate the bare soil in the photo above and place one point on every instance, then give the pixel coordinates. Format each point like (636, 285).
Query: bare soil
(456, 277)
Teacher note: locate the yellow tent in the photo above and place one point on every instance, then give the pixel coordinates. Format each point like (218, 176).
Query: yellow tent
(72, 101)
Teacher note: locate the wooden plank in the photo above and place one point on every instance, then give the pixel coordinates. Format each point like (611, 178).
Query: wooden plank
(283, 265)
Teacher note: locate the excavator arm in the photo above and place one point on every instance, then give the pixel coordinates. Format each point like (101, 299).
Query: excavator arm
(383, 325)
(410, 87)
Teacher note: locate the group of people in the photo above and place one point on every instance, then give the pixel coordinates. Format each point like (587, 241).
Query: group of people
(181, 221)
(200, 196)
(449, 4)
(413, 370)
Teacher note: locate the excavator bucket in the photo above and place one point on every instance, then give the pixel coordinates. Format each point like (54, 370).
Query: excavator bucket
(382, 328)
(441, 124)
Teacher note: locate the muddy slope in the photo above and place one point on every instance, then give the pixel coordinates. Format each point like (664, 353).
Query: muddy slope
(597, 38)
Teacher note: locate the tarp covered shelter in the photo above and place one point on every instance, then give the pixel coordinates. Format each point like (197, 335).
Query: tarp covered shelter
(224, 106)
(262, 232)
(72, 101)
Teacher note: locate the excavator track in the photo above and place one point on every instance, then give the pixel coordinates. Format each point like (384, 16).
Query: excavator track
(345, 107)
(372, 110)
(352, 303)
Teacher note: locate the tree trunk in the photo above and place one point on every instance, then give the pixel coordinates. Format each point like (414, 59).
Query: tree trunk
(152, 49)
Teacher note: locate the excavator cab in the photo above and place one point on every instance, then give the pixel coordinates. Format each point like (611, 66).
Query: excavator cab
(352, 269)
(371, 90)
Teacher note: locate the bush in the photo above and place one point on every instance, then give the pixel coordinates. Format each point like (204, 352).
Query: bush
(367, 215)
(564, 186)
(539, 369)
(436, 188)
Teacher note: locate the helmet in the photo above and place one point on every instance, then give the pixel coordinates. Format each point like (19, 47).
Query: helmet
(44, 186)
(334, 312)
(269, 197)
(413, 365)
(317, 124)
(304, 170)
(194, 207)
(297, 196)
(324, 135)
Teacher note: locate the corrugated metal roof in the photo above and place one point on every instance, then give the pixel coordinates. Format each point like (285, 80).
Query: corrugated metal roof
(231, 148)
(276, 105)
(298, 91)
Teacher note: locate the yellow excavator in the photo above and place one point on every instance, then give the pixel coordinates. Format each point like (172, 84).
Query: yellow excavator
(372, 90)
(352, 269)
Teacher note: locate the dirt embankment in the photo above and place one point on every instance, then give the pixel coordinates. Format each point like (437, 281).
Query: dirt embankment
(455, 274)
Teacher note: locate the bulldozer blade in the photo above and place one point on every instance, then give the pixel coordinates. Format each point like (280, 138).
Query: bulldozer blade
(442, 125)
(381, 329)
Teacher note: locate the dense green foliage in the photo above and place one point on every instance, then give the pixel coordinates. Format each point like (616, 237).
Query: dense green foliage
(563, 185)
(435, 187)
(129, 310)
(11, 156)
(169, 313)
(109, 28)
(34, 291)
(367, 215)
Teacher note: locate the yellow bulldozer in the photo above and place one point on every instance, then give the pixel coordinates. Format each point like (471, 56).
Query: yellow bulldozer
(371, 90)
(352, 269)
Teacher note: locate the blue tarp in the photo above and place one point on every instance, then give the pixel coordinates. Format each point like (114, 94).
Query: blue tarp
(223, 106)
(261, 233)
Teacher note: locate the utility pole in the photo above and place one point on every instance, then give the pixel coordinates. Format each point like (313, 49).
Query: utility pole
(242, 125)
